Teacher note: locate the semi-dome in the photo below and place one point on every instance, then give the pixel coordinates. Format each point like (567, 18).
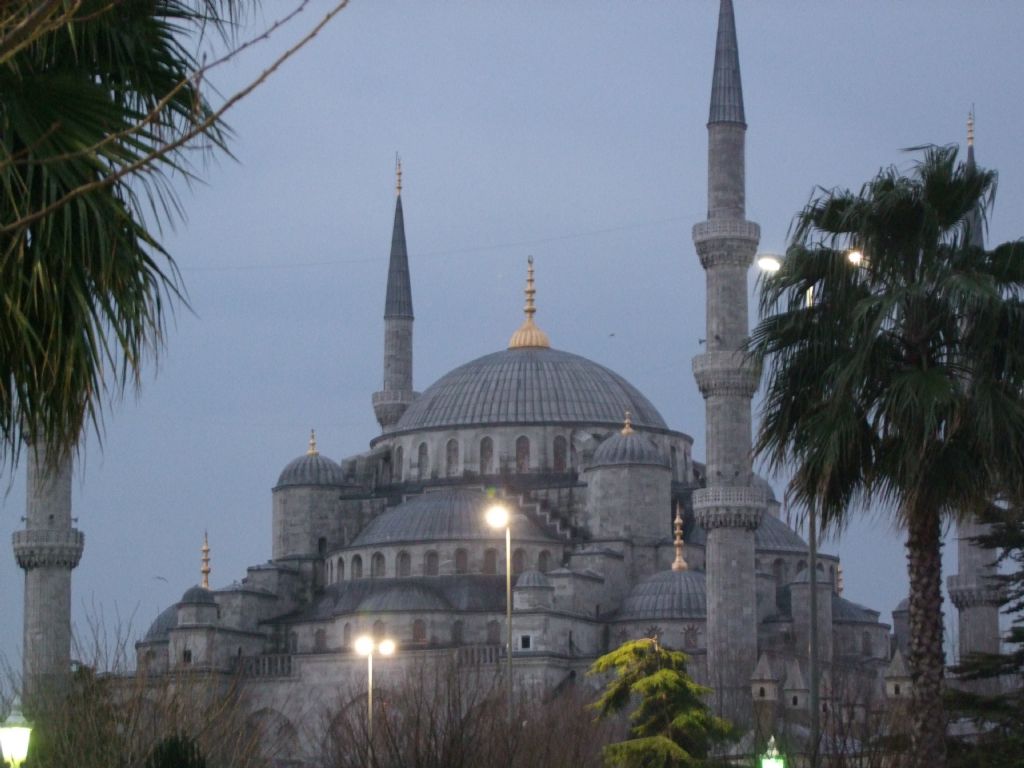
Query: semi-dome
(528, 385)
(533, 580)
(403, 597)
(628, 447)
(667, 595)
(312, 468)
(847, 611)
(451, 514)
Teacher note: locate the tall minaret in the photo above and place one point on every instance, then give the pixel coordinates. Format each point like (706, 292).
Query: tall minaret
(972, 590)
(729, 508)
(390, 403)
(47, 549)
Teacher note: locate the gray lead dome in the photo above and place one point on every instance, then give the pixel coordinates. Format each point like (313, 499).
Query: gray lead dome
(667, 595)
(628, 449)
(311, 469)
(529, 386)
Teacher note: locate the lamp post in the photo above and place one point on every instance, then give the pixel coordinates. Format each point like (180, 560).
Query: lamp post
(14, 735)
(498, 517)
(771, 757)
(365, 646)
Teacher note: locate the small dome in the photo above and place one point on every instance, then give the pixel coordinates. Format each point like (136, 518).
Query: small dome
(903, 607)
(198, 596)
(161, 627)
(533, 580)
(667, 595)
(449, 515)
(628, 447)
(311, 469)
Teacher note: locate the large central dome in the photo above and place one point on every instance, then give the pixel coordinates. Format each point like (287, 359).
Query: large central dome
(529, 385)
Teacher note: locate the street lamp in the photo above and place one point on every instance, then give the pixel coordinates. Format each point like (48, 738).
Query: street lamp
(498, 517)
(771, 757)
(365, 645)
(14, 736)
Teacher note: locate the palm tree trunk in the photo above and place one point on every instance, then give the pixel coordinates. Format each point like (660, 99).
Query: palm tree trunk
(926, 657)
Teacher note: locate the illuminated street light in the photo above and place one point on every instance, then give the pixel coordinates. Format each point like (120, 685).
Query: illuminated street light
(769, 262)
(855, 257)
(365, 645)
(498, 517)
(14, 735)
(771, 757)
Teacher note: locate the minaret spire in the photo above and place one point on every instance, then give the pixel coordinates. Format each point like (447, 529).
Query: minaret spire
(726, 86)
(391, 401)
(975, 222)
(679, 564)
(205, 568)
(528, 334)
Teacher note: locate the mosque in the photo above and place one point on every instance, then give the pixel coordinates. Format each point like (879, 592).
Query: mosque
(616, 530)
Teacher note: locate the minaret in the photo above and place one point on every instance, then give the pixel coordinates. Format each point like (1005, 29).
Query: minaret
(729, 508)
(972, 590)
(390, 403)
(47, 549)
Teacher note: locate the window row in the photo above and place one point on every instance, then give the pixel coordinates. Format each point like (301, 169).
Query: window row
(417, 635)
(430, 564)
(560, 458)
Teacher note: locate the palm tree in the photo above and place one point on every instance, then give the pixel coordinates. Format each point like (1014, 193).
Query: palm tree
(902, 384)
(93, 102)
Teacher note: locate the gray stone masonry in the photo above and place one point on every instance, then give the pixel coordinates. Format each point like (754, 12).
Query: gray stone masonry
(47, 549)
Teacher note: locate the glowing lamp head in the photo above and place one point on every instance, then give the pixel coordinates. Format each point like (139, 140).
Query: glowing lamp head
(386, 647)
(855, 257)
(14, 735)
(769, 262)
(497, 516)
(364, 645)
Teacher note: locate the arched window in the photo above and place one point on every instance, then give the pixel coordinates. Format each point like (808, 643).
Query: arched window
(523, 454)
(419, 631)
(330, 571)
(518, 561)
(398, 464)
(422, 463)
(674, 457)
(457, 632)
(801, 566)
(321, 546)
(320, 641)
(357, 567)
(430, 564)
(403, 565)
(544, 561)
(490, 561)
(486, 456)
(560, 457)
(377, 566)
(346, 636)
(493, 632)
(340, 570)
(461, 561)
(451, 458)
(379, 629)
(865, 644)
(293, 642)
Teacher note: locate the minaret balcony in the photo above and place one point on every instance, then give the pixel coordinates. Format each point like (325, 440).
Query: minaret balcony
(41, 548)
(968, 592)
(729, 506)
(726, 374)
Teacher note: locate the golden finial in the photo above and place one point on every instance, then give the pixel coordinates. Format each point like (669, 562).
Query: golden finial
(312, 451)
(839, 579)
(970, 127)
(528, 334)
(205, 570)
(398, 175)
(679, 564)
(627, 425)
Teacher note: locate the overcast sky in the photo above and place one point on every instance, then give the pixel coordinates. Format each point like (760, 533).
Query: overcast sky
(572, 131)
